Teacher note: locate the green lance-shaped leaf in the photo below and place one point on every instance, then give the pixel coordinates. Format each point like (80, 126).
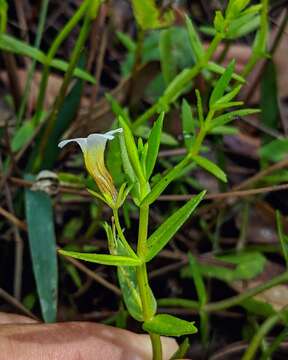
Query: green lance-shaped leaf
(153, 145)
(103, 259)
(168, 229)
(195, 41)
(168, 325)
(218, 69)
(9, 43)
(222, 84)
(282, 237)
(42, 243)
(226, 118)
(210, 167)
(188, 125)
(132, 149)
(127, 277)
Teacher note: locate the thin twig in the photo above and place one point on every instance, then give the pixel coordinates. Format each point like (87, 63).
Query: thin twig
(17, 304)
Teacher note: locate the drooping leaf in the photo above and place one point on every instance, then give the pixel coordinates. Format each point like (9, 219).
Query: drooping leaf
(153, 145)
(168, 325)
(42, 243)
(210, 167)
(103, 258)
(168, 229)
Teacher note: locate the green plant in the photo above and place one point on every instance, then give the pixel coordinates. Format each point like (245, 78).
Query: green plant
(139, 160)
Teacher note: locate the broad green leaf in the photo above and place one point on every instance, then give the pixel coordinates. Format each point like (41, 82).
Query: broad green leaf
(198, 280)
(218, 69)
(148, 16)
(282, 237)
(168, 325)
(103, 258)
(131, 149)
(274, 151)
(222, 84)
(42, 243)
(168, 229)
(188, 125)
(153, 145)
(168, 66)
(195, 41)
(210, 167)
(226, 118)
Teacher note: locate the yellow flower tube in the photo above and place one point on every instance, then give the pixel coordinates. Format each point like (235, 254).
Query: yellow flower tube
(93, 148)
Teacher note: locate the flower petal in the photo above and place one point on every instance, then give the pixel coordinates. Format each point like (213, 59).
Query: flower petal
(82, 142)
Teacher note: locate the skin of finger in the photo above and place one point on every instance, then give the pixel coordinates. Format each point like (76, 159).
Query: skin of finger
(76, 341)
(7, 318)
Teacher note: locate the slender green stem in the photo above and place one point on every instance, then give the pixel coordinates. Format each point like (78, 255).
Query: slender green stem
(121, 235)
(263, 330)
(227, 303)
(142, 279)
(51, 54)
(156, 346)
(181, 81)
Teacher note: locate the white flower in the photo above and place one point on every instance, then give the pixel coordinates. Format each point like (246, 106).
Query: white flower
(93, 148)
